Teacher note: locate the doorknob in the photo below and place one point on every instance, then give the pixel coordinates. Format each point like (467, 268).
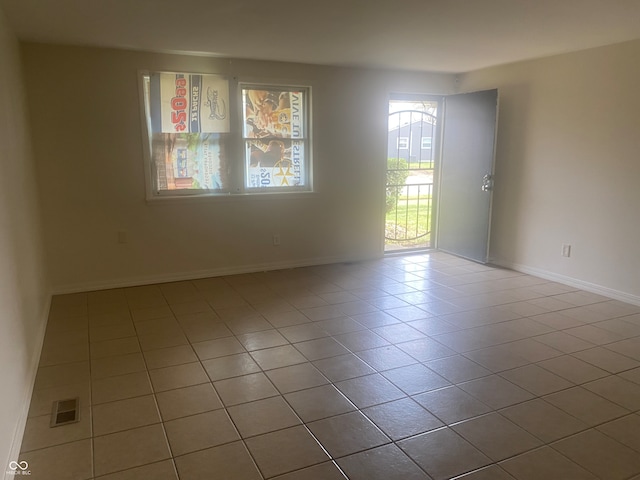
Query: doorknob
(487, 183)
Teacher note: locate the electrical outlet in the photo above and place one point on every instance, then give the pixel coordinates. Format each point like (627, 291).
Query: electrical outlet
(566, 250)
(276, 239)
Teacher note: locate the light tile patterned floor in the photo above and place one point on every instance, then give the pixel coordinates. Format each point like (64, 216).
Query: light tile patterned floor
(411, 367)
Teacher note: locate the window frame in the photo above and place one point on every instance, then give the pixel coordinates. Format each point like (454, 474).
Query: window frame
(403, 140)
(422, 143)
(235, 143)
(307, 186)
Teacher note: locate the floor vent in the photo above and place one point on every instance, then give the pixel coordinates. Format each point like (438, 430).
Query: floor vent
(64, 412)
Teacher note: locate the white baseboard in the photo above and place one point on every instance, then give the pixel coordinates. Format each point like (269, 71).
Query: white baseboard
(193, 275)
(21, 423)
(280, 265)
(571, 281)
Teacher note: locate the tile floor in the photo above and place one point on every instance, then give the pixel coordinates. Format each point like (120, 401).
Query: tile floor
(412, 367)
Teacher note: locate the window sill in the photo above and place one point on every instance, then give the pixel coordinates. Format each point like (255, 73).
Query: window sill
(228, 197)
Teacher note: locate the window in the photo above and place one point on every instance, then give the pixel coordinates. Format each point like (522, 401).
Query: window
(403, 143)
(187, 119)
(274, 123)
(194, 148)
(426, 143)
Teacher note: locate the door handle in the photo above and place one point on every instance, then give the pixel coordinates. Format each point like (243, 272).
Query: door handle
(487, 183)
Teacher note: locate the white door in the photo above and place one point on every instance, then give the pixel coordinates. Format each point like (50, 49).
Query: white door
(466, 175)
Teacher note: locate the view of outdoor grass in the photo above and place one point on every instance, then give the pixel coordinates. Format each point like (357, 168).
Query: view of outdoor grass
(423, 165)
(408, 223)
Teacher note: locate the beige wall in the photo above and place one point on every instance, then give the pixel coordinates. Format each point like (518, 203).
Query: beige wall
(23, 289)
(568, 166)
(88, 142)
(566, 169)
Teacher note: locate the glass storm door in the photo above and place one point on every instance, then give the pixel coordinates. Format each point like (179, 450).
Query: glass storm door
(411, 155)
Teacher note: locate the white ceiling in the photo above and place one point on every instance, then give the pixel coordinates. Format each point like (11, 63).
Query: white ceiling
(429, 35)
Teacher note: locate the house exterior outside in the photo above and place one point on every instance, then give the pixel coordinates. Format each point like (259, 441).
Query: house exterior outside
(413, 141)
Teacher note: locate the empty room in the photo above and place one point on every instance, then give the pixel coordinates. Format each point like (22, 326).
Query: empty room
(320, 240)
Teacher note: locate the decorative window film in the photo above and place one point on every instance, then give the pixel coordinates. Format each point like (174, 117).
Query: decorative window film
(275, 135)
(188, 125)
(192, 146)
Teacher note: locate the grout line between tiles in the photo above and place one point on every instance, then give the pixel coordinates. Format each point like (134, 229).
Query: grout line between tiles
(244, 288)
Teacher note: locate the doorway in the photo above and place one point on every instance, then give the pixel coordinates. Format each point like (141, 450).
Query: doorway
(412, 150)
(440, 157)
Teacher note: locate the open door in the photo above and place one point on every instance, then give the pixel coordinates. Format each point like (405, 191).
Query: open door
(412, 146)
(466, 175)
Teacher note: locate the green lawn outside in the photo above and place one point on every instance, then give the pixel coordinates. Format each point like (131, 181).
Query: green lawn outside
(415, 167)
(410, 218)
(424, 165)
